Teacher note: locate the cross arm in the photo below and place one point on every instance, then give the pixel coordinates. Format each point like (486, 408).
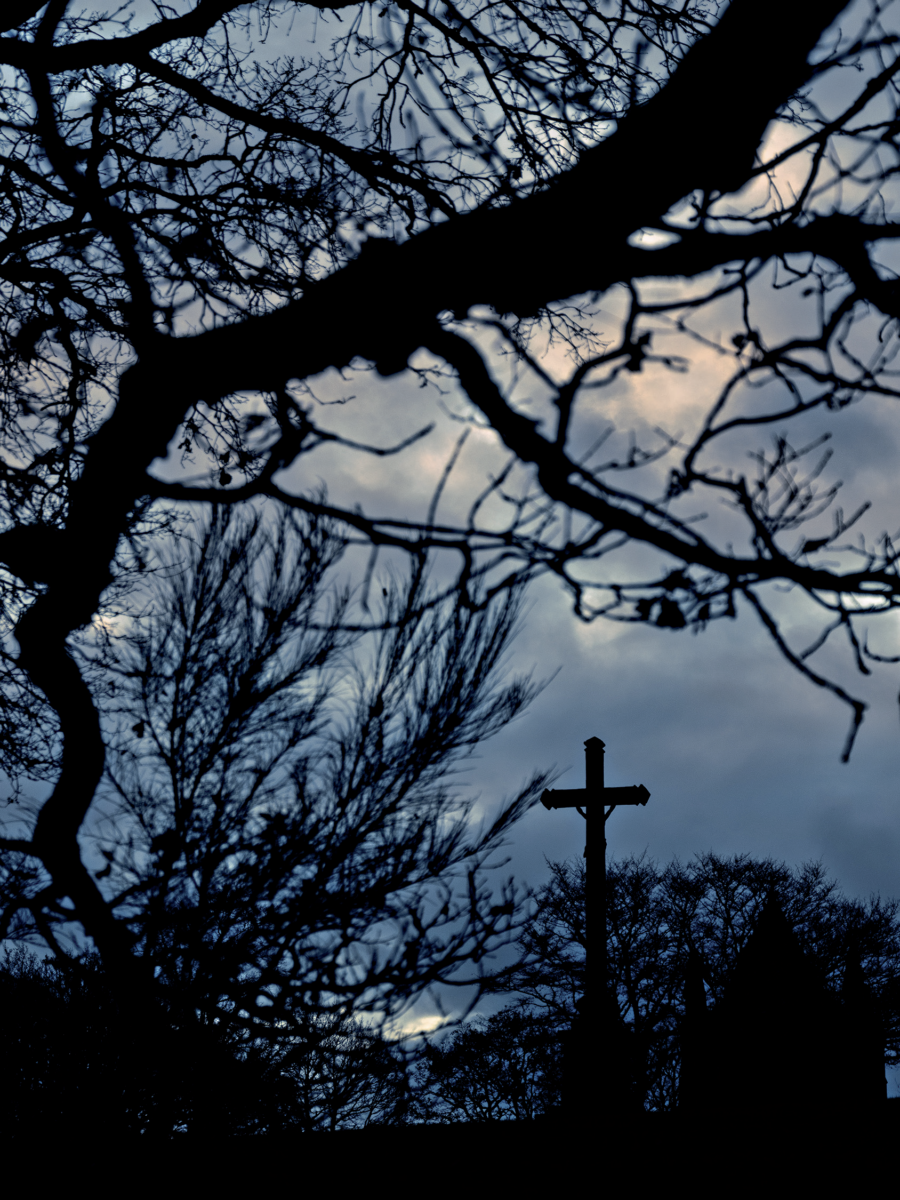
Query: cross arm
(578, 797)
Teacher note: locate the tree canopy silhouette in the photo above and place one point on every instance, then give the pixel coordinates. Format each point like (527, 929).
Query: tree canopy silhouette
(276, 838)
(659, 918)
(549, 975)
(506, 1067)
(74, 1060)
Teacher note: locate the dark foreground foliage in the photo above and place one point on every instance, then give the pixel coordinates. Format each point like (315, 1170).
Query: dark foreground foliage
(658, 917)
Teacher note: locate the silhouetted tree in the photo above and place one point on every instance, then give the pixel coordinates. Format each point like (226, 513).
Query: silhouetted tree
(343, 1075)
(549, 974)
(74, 1061)
(276, 834)
(679, 927)
(506, 1067)
(778, 1020)
(57, 1060)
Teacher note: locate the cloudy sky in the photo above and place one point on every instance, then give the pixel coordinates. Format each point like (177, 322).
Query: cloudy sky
(740, 753)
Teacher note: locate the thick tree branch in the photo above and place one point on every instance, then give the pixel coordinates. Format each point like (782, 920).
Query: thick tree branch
(839, 237)
(657, 156)
(99, 52)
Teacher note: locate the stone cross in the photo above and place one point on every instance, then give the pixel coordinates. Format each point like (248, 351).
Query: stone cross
(594, 792)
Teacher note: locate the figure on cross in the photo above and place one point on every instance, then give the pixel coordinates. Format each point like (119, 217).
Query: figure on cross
(618, 1074)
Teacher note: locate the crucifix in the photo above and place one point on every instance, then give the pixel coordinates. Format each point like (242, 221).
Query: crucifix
(578, 798)
(594, 790)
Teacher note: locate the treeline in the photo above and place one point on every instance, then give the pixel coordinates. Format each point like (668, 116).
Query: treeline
(72, 1059)
(660, 918)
